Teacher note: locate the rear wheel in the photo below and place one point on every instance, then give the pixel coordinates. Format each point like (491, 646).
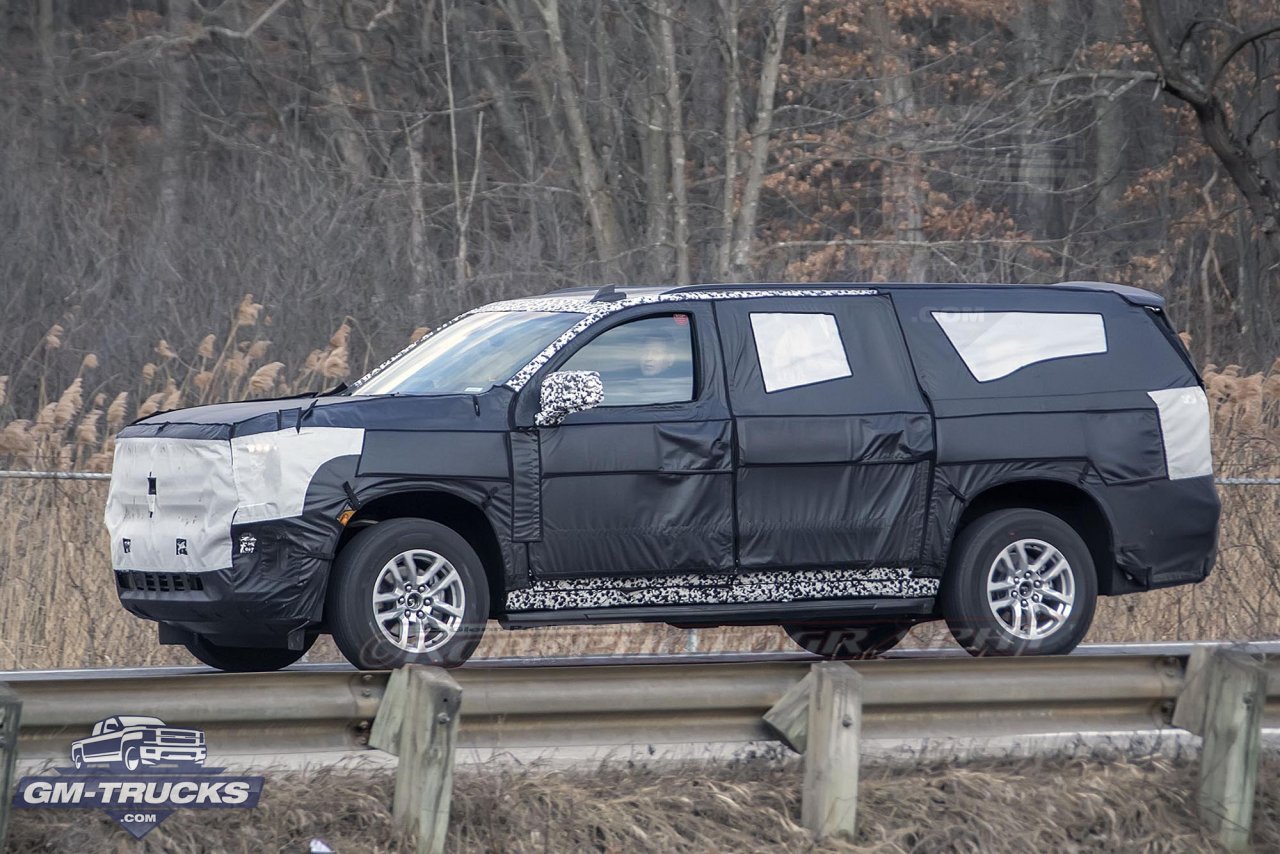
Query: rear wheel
(844, 643)
(1020, 582)
(408, 591)
(244, 659)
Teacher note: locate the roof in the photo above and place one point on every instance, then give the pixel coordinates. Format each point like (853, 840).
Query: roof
(1136, 296)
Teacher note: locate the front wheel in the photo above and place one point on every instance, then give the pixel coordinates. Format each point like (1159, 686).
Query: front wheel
(846, 643)
(1019, 582)
(407, 591)
(244, 659)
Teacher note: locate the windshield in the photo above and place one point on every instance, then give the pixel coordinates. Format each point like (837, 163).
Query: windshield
(472, 355)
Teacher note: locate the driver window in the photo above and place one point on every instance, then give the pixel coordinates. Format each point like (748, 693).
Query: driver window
(643, 362)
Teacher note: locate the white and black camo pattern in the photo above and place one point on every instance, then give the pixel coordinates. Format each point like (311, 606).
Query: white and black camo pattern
(596, 310)
(745, 588)
(566, 392)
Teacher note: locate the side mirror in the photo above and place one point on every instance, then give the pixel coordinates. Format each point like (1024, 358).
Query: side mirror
(566, 392)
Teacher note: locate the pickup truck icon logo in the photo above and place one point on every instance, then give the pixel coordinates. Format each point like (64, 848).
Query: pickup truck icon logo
(131, 742)
(138, 770)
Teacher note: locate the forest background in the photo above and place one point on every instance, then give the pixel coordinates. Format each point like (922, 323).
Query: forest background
(212, 200)
(395, 162)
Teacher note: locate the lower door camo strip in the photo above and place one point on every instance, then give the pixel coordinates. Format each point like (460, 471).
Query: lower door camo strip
(747, 587)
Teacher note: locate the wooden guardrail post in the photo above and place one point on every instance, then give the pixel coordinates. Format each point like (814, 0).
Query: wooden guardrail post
(418, 722)
(1223, 701)
(821, 717)
(10, 716)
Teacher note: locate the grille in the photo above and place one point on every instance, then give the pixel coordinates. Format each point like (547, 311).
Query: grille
(159, 582)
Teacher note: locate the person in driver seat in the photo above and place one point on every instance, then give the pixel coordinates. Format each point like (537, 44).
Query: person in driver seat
(657, 355)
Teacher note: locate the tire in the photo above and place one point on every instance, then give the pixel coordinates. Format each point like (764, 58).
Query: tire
(847, 643)
(244, 659)
(452, 596)
(1000, 549)
(77, 758)
(132, 758)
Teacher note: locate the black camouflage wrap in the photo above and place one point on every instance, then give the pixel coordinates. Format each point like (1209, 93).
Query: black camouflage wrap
(1086, 422)
(845, 490)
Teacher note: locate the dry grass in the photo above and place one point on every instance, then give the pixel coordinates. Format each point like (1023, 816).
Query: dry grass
(58, 605)
(976, 806)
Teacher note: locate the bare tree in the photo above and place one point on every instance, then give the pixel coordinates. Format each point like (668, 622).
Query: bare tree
(1042, 33)
(604, 220)
(1216, 62)
(360, 160)
(1108, 22)
(904, 183)
(729, 13)
(670, 75)
(744, 230)
(173, 129)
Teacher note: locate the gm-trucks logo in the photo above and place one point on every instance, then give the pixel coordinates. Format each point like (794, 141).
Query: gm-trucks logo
(139, 770)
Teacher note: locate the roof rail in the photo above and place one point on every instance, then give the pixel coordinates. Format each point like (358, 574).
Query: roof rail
(769, 286)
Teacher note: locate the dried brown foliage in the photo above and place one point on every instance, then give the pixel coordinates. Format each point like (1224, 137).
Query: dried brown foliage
(247, 312)
(264, 379)
(53, 338)
(205, 350)
(335, 365)
(1051, 804)
(226, 370)
(116, 411)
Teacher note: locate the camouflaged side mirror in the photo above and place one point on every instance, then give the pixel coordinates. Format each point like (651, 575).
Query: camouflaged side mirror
(566, 392)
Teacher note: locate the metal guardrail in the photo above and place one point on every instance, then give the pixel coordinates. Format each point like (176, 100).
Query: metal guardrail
(315, 709)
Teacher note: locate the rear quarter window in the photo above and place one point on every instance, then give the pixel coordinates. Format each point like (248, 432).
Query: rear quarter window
(994, 344)
(1132, 354)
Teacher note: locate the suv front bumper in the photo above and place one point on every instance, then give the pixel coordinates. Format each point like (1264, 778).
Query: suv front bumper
(275, 585)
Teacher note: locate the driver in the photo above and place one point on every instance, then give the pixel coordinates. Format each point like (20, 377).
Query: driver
(657, 355)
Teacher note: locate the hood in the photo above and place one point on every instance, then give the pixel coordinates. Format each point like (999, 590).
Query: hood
(487, 410)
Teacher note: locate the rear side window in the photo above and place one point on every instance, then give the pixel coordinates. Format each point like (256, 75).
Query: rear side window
(994, 344)
(836, 355)
(798, 349)
(641, 363)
